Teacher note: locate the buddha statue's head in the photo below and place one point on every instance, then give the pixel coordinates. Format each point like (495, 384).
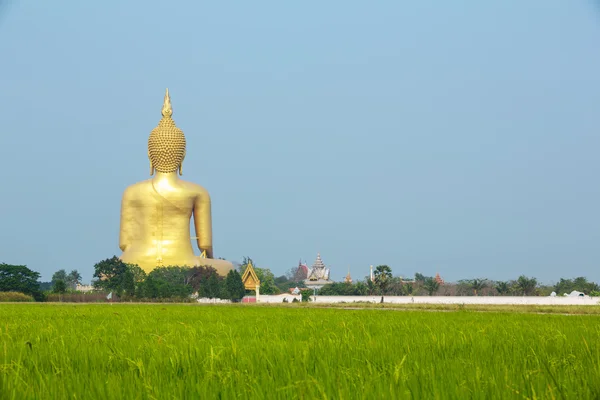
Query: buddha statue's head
(166, 144)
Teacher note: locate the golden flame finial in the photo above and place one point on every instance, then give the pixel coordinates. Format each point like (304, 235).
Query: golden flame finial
(167, 110)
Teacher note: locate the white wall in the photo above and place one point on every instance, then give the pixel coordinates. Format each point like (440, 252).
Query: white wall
(558, 300)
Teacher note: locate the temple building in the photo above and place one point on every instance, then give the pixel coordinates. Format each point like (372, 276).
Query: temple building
(318, 275)
(439, 279)
(302, 272)
(251, 281)
(348, 278)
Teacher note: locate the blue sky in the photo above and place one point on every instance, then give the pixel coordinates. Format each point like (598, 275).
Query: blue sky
(454, 137)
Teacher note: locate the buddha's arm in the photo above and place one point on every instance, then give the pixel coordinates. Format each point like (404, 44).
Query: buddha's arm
(126, 221)
(203, 223)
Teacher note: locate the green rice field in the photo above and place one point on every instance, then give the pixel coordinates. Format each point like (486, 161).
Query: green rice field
(154, 351)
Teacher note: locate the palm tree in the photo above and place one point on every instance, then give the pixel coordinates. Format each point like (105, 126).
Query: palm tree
(383, 276)
(431, 285)
(526, 285)
(477, 285)
(502, 287)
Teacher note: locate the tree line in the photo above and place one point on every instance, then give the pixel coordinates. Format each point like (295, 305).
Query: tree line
(175, 283)
(126, 282)
(384, 283)
(130, 282)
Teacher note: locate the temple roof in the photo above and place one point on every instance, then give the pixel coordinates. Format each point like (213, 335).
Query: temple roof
(302, 266)
(348, 278)
(318, 270)
(250, 278)
(438, 278)
(318, 262)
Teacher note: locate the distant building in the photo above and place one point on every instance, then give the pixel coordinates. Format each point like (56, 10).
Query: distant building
(251, 281)
(318, 271)
(84, 288)
(439, 279)
(302, 272)
(348, 278)
(295, 290)
(318, 275)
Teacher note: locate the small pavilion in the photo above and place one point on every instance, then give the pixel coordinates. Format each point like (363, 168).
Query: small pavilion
(251, 281)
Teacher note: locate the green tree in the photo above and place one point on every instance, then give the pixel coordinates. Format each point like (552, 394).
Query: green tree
(581, 284)
(564, 286)
(166, 282)
(288, 281)
(198, 276)
(305, 295)
(431, 285)
(396, 286)
(370, 286)
(234, 286)
(59, 286)
(212, 288)
(502, 287)
(361, 288)
(526, 285)
(19, 278)
(343, 289)
(477, 285)
(70, 280)
(73, 278)
(267, 281)
(382, 276)
(60, 275)
(113, 275)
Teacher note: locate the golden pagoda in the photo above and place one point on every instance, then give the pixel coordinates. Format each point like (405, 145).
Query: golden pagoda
(348, 278)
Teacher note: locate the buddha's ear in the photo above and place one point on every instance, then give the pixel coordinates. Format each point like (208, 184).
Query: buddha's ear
(151, 166)
(181, 164)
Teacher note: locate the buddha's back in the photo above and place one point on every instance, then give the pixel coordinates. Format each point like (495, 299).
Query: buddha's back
(155, 214)
(159, 214)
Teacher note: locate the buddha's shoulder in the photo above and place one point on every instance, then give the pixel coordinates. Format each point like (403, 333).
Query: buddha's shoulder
(143, 187)
(194, 187)
(138, 187)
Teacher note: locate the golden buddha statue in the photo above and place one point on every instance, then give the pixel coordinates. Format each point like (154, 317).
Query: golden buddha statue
(156, 213)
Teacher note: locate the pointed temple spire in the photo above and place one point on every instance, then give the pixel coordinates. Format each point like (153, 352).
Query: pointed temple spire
(438, 278)
(318, 270)
(348, 277)
(318, 262)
